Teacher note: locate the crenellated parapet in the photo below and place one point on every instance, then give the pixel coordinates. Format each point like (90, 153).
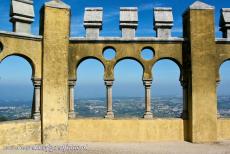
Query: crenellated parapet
(128, 22)
(22, 15)
(163, 22)
(55, 56)
(93, 22)
(225, 22)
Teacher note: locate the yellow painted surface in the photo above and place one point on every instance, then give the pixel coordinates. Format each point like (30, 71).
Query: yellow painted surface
(223, 51)
(30, 49)
(21, 132)
(224, 129)
(129, 130)
(55, 74)
(55, 57)
(202, 100)
(81, 51)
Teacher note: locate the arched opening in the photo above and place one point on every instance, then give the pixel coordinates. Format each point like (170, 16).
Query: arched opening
(90, 89)
(147, 53)
(16, 89)
(128, 89)
(223, 90)
(109, 53)
(166, 89)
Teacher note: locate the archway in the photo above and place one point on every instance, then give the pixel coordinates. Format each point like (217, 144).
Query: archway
(90, 89)
(16, 88)
(128, 89)
(166, 89)
(223, 90)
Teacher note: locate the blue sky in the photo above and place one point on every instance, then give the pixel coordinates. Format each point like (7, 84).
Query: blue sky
(15, 73)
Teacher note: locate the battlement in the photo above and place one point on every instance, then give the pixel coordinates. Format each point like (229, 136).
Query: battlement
(54, 57)
(22, 16)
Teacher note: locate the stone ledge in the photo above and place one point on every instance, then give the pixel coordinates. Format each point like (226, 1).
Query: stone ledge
(120, 39)
(21, 35)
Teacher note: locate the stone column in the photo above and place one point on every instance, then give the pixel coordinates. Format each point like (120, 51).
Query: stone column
(148, 113)
(109, 99)
(71, 98)
(55, 24)
(184, 114)
(37, 98)
(199, 31)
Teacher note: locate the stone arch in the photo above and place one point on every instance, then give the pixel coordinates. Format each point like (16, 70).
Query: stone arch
(149, 48)
(87, 58)
(222, 90)
(30, 64)
(25, 57)
(218, 69)
(109, 47)
(176, 62)
(125, 91)
(170, 92)
(130, 58)
(81, 104)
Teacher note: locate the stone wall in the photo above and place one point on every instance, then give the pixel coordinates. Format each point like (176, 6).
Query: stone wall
(54, 57)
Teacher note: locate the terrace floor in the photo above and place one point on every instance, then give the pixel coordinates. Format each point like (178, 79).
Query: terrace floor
(125, 148)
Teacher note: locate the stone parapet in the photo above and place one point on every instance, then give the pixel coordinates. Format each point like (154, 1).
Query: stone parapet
(128, 21)
(22, 15)
(93, 22)
(225, 22)
(163, 21)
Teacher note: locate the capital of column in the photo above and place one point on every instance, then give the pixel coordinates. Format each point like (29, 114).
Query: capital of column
(72, 82)
(37, 82)
(109, 83)
(147, 83)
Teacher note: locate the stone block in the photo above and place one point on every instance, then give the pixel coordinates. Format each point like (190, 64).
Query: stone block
(128, 21)
(225, 22)
(93, 21)
(22, 15)
(163, 21)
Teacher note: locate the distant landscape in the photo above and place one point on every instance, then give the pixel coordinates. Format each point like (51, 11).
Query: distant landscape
(131, 107)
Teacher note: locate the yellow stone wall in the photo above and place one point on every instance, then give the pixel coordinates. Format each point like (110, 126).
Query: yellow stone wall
(55, 56)
(223, 131)
(21, 132)
(129, 130)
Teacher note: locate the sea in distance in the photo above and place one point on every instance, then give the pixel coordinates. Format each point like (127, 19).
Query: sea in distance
(129, 107)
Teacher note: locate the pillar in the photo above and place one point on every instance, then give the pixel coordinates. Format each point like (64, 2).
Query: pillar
(37, 98)
(109, 99)
(71, 98)
(148, 113)
(55, 23)
(199, 31)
